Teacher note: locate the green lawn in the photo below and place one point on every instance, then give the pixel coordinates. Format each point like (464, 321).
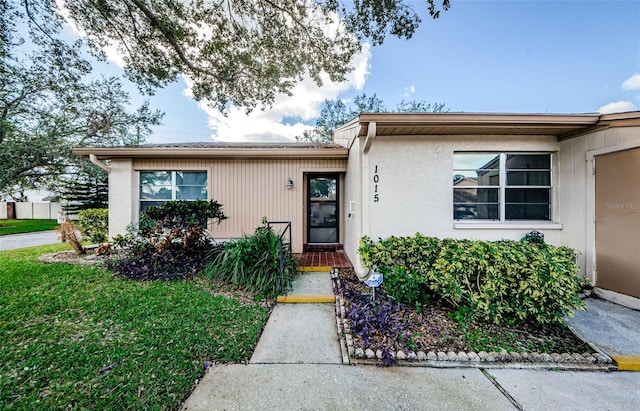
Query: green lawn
(76, 337)
(26, 226)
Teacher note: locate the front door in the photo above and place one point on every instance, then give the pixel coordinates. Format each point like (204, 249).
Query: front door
(322, 194)
(618, 222)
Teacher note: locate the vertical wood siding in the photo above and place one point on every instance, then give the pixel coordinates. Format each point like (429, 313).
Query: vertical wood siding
(250, 189)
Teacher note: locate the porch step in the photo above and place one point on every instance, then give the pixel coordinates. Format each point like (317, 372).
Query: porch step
(306, 298)
(322, 269)
(320, 248)
(322, 259)
(310, 287)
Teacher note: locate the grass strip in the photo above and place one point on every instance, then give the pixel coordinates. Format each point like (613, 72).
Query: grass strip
(26, 226)
(76, 337)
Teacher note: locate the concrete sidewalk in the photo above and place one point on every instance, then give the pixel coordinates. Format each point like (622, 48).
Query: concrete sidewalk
(297, 365)
(343, 387)
(13, 241)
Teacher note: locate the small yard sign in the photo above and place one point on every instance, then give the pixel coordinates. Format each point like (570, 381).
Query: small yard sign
(374, 280)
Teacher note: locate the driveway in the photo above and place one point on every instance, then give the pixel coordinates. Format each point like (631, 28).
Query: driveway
(13, 241)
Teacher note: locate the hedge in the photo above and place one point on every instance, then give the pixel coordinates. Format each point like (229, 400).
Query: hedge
(504, 282)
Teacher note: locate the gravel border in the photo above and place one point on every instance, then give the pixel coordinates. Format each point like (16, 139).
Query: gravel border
(370, 355)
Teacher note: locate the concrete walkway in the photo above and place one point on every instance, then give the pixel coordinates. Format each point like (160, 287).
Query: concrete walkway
(301, 333)
(13, 241)
(611, 328)
(297, 365)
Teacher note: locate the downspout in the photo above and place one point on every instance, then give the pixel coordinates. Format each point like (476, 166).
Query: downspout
(94, 160)
(364, 272)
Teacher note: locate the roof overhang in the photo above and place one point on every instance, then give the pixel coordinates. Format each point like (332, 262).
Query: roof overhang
(561, 126)
(264, 151)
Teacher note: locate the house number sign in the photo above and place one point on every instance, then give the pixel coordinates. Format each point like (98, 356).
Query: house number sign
(376, 179)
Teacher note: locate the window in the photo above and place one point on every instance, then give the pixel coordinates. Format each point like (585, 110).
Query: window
(158, 187)
(501, 186)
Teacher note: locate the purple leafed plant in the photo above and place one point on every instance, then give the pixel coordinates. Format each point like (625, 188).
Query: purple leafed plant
(379, 318)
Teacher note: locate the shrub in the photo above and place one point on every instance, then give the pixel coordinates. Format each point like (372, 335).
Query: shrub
(94, 223)
(68, 232)
(502, 281)
(408, 258)
(169, 241)
(252, 263)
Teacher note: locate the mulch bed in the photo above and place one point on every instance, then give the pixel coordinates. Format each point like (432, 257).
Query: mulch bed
(71, 257)
(433, 329)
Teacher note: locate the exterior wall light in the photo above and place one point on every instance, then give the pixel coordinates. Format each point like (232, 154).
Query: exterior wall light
(289, 184)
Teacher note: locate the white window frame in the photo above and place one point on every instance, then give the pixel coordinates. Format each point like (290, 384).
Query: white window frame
(174, 185)
(502, 189)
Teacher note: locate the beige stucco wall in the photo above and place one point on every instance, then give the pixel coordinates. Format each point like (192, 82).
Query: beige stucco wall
(415, 188)
(353, 207)
(123, 194)
(248, 189)
(577, 193)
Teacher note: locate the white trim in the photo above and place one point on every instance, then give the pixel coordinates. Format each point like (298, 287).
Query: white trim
(503, 185)
(590, 158)
(324, 170)
(612, 149)
(496, 225)
(154, 167)
(174, 185)
(618, 298)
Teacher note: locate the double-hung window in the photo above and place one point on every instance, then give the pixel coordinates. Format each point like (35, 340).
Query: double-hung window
(502, 186)
(158, 187)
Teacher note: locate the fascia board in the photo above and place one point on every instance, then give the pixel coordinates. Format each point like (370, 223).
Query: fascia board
(155, 152)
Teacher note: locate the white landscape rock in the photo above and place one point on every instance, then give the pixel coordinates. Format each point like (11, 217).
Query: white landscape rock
(473, 356)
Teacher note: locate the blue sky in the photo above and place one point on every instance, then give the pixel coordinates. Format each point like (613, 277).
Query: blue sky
(514, 56)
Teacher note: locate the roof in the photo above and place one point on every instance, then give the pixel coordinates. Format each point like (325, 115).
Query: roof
(218, 150)
(559, 125)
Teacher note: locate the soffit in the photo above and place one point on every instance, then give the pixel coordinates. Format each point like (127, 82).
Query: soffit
(410, 124)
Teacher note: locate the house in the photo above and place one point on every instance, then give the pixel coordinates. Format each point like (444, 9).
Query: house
(459, 175)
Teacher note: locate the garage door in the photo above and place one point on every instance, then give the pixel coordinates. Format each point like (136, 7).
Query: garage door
(618, 222)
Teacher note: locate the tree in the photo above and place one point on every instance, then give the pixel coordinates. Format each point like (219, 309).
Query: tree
(48, 105)
(86, 188)
(334, 113)
(240, 52)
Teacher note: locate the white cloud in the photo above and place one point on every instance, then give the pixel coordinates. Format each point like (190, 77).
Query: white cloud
(303, 104)
(617, 107)
(110, 51)
(409, 91)
(632, 83)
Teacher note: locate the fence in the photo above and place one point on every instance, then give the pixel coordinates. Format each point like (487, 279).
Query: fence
(29, 211)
